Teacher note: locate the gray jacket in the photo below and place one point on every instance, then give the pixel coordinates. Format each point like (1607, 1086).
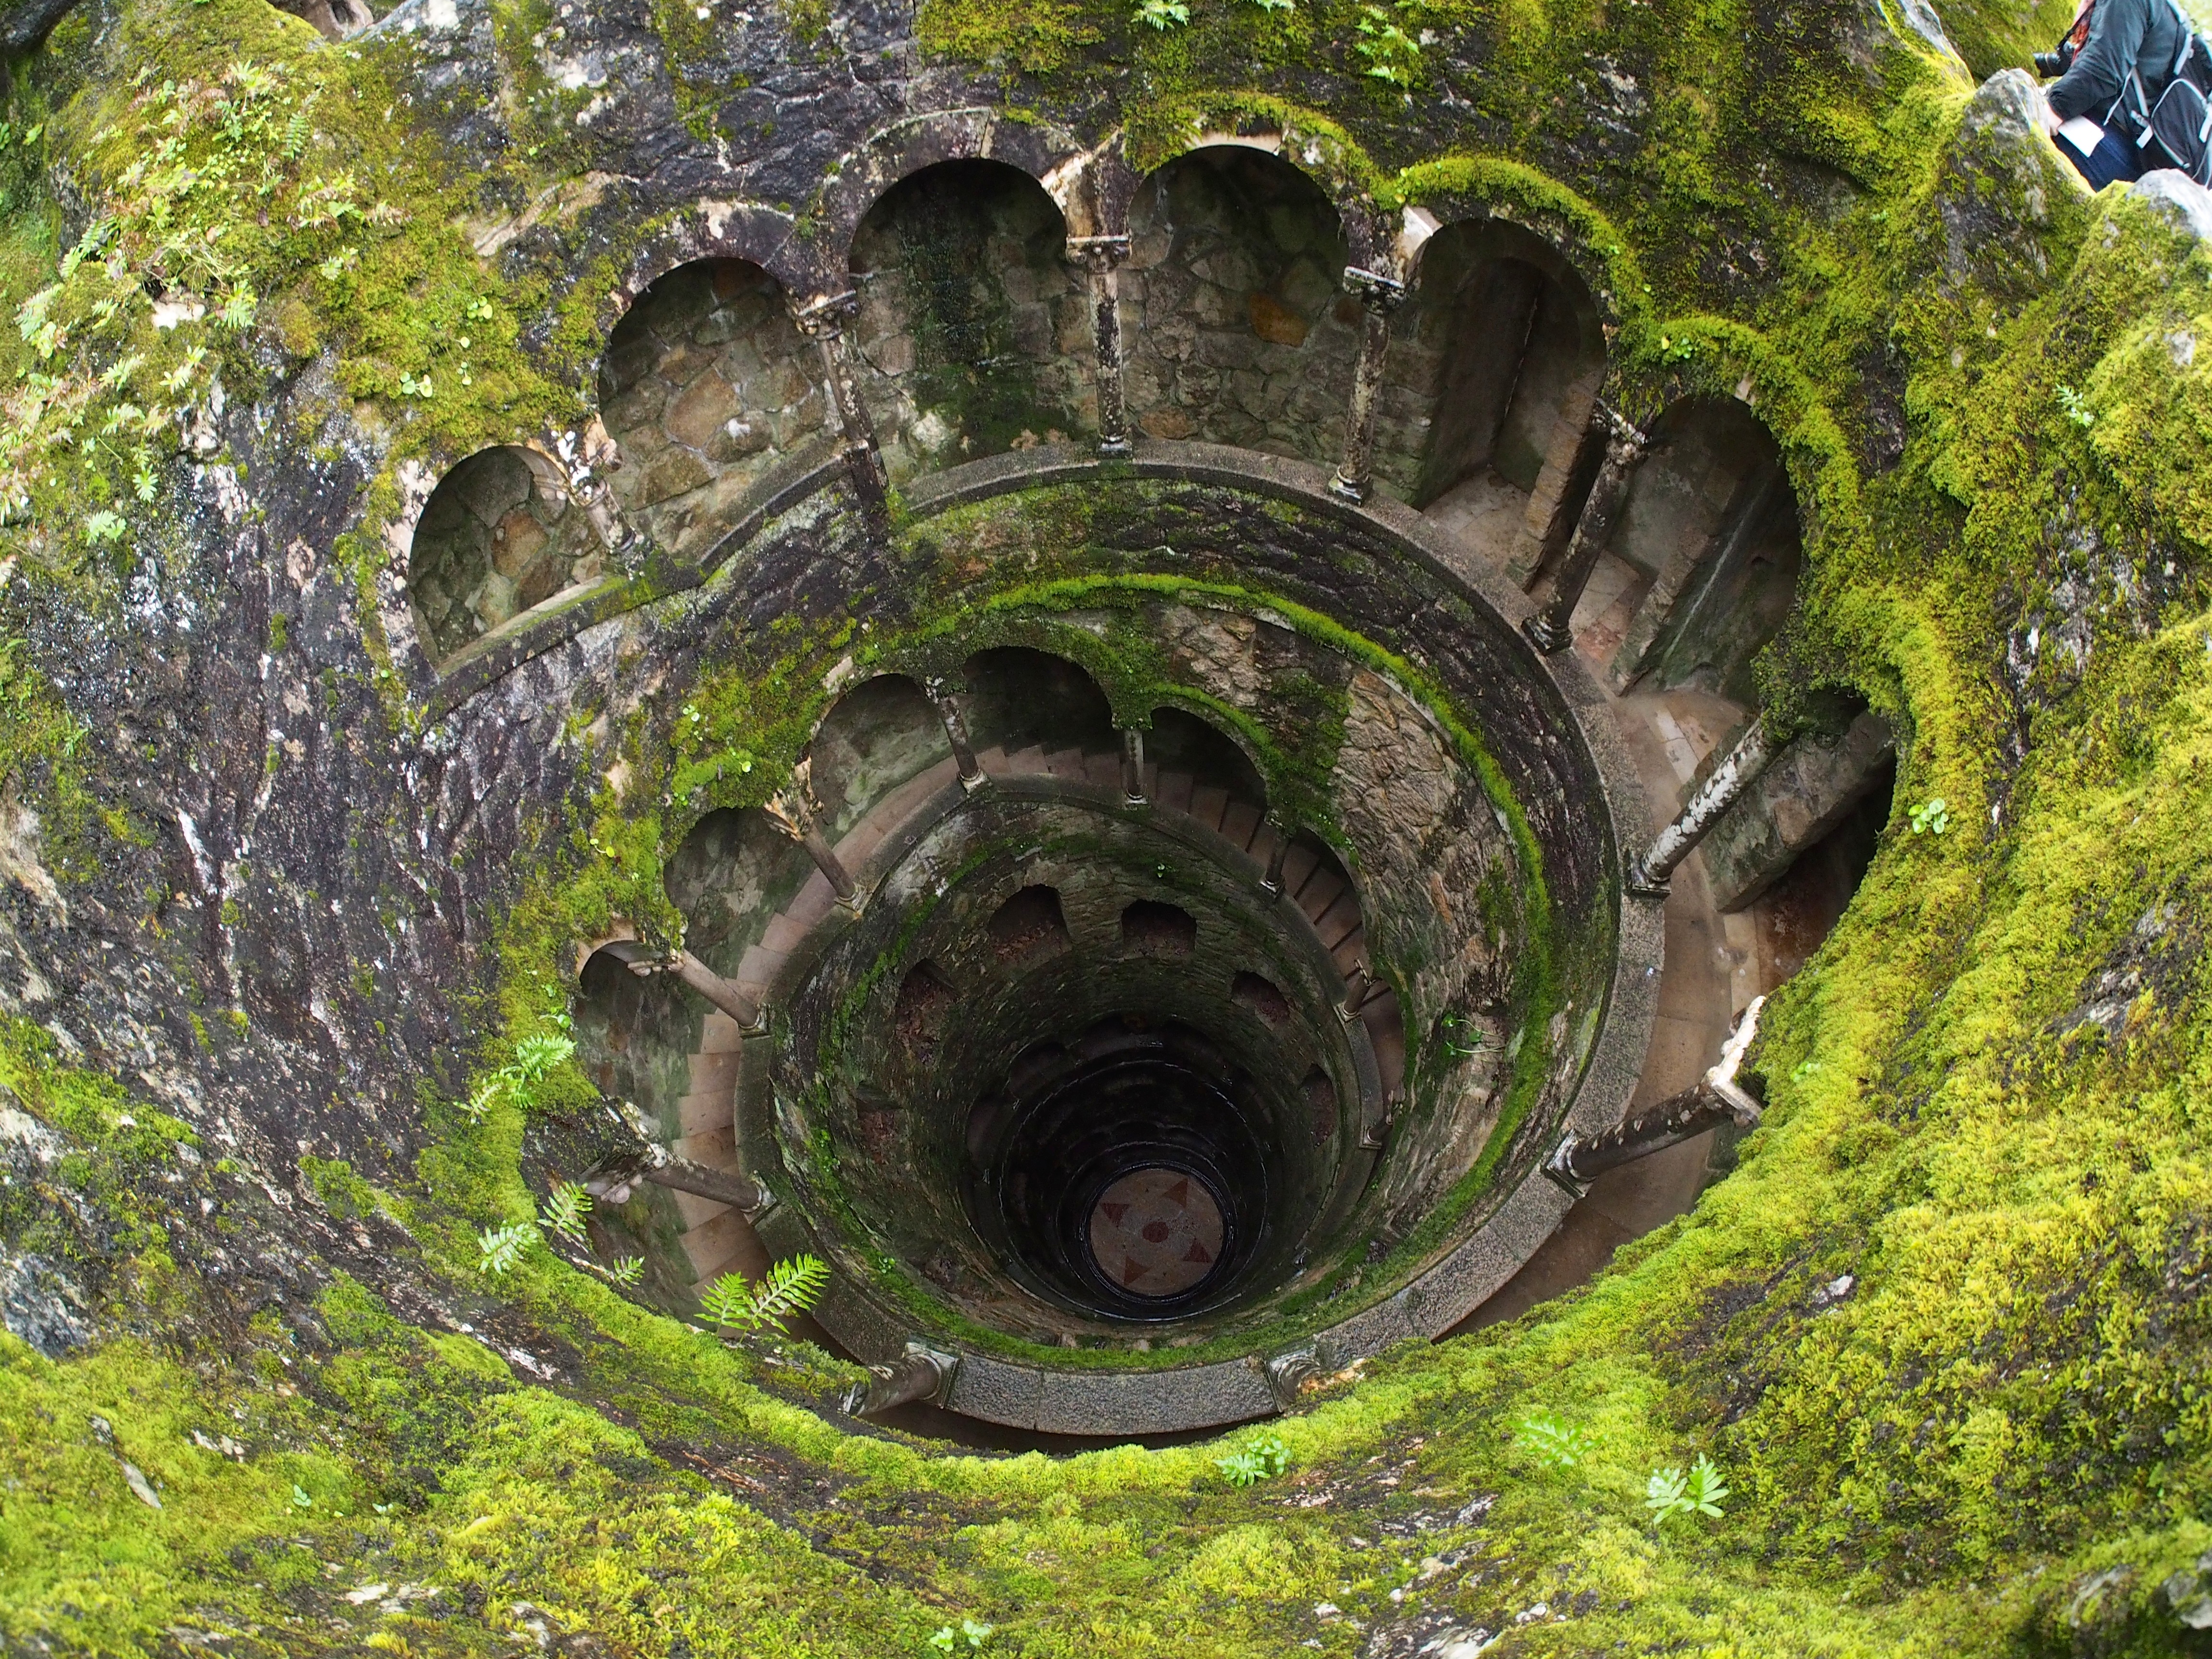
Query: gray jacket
(2143, 35)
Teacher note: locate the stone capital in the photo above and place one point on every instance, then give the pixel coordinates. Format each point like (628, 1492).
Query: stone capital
(1376, 290)
(1098, 252)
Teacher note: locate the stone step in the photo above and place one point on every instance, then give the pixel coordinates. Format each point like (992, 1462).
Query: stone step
(1103, 770)
(1240, 823)
(1067, 764)
(783, 934)
(1030, 759)
(1172, 790)
(1339, 921)
(1322, 889)
(1208, 805)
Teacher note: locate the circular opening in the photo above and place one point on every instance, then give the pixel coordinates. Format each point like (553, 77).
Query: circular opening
(1128, 1177)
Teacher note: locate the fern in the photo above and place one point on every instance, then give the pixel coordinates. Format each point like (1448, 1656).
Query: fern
(627, 1270)
(564, 1211)
(1261, 1458)
(1669, 1492)
(502, 1248)
(789, 1287)
(1560, 1445)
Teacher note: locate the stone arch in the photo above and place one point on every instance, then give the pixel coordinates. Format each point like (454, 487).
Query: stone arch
(1179, 740)
(973, 333)
(733, 875)
(1495, 364)
(860, 178)
(1704, 557)
(1369, 239)
(705, 388)
(1017, 697)
(750, 231)
(1235, 326)
(502, 534)
(879, 737)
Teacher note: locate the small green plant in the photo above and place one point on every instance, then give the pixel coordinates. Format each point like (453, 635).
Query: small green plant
(2077, 407)
(1390, 53)
(1462, 1038)
(1931, 816)
(1261, 1458)
(1669, 1492)
(627, 1270)
(1162, 13)
(948, 1639)
(417, 386)
(787, 1288)
(1276, 5)
(564, 1210)
(1555, 1445)
(535, 1060)
(503, 1247)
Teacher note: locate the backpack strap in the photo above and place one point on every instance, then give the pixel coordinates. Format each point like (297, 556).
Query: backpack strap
(2183, 22)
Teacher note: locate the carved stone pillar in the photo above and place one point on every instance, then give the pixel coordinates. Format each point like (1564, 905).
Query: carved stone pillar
(1550, 628)
(921, 1373)
(1379, 295)
(822, 321)
(1718, 792)
(1100, 258)
(1132, 766)
(956, 732)
(1714, 1099)
(1277, 856)
(794, 811)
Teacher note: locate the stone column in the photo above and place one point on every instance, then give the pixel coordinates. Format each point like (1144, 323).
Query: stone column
(1100, 258)
(1550, 628)
(1718, 792)
(1276, 857)
(1714, 1099)
(720, 992)
(956, 732)
(1132, 766)
(1379, 295)
(793, 811)
(921, 1373)
(822, 321)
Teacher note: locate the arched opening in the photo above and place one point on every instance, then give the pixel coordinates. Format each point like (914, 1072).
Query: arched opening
(1155, 929)
(1703, 560)
(1028, 925)
(1017, 700)
(1494, 365)
(499, 535)
(879, 738)
(974, 328)
(1234, 327)
(1181, 744)
(705, 386)
(1263, 997)
(734, 875)
(926, 1001)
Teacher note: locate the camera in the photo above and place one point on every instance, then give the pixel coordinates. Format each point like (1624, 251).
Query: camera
(2050, 65)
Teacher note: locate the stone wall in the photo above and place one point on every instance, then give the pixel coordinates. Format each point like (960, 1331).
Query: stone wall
(974, 331)
(706, 384)
(1234, 328)
(499, 534)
